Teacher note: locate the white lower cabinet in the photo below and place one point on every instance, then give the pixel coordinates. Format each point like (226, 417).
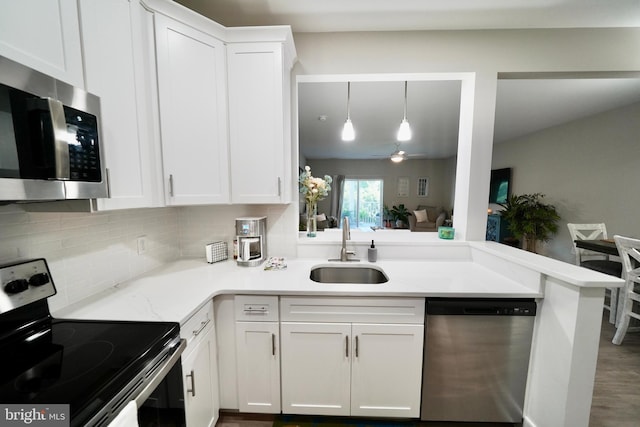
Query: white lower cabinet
(258, 353)
(197, 379)
(386, 370)
(316, 368)
(345, 366)
(258, 350)
(199, 369)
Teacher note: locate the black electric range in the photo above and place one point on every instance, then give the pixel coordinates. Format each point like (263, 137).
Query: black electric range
(96, 367)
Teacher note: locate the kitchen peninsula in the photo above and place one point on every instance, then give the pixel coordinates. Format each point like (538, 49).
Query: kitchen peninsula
(566, 332)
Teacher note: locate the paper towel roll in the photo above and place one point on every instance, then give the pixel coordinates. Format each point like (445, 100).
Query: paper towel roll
(128, 416)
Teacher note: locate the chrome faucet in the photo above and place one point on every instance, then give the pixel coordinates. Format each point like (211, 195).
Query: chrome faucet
(346, 235)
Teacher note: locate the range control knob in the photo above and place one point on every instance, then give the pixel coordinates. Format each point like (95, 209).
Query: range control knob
(39, 279)
(16, 286)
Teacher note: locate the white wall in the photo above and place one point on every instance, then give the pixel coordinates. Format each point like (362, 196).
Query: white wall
(587, 168)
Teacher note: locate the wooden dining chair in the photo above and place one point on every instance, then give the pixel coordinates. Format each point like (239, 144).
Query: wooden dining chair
(629, 250)
(596, 260)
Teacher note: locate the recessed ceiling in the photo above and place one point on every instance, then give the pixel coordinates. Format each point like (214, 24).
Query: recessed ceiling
(404, 15)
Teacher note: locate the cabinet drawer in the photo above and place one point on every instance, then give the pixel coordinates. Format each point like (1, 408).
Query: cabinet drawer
(197, 325)
(256, 308)
(347, 309)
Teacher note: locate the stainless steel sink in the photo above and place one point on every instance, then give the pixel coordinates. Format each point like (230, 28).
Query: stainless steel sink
(349, 274)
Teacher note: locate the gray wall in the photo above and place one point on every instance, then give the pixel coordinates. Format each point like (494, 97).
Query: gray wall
(587, 168)
(438, 172)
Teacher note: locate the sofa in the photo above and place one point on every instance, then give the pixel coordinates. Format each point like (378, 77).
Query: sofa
(427, 218)
(322, 221)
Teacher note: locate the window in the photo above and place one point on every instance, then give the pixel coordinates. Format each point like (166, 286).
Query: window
(423, 187)
(362, 202)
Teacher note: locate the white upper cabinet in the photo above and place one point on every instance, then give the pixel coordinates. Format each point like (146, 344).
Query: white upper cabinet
(260, 121)
(43, 35)
(117, 72)
(193, 114)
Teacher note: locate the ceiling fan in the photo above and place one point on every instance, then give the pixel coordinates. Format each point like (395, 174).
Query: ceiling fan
(400, 155)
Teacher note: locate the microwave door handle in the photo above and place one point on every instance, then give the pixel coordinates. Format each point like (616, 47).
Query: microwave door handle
(60, 139)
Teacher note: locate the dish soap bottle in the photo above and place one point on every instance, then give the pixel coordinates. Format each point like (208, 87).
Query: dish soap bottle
(373, 253)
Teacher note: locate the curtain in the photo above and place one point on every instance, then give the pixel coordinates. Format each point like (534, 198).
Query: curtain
(336, 196)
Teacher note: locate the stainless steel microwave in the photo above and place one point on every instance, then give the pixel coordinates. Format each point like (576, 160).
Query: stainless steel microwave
(50, 140)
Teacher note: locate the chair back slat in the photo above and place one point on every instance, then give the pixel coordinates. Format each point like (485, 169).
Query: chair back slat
(629, 251)
(586, 232)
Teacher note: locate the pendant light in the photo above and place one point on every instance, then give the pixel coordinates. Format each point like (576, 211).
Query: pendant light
(348, 133)
(404, 132)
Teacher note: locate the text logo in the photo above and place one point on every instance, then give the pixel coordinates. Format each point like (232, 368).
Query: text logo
(34, 415)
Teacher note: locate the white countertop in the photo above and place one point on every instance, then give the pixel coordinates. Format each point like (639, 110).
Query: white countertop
(175, 291)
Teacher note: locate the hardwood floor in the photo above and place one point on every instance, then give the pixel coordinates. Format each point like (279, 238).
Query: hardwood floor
(616, 394)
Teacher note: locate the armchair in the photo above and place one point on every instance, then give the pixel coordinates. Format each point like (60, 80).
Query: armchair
(427, 218)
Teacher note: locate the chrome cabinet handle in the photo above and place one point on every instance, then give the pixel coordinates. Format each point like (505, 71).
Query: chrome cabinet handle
(273, 344)
(356, 346)
(171, 185)
(346, 346)
(192, 390)
(202, 326)
(279, 187)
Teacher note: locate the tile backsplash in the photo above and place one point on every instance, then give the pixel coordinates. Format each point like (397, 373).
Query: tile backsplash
(90, 252)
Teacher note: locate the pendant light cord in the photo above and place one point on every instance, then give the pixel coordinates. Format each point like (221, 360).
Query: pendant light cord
(405, 100)
(348, 100)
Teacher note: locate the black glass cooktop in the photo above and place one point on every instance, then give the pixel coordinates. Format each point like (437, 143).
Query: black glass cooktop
(77, 362)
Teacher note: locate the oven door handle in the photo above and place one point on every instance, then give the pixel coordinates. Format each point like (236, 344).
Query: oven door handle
(161, 373)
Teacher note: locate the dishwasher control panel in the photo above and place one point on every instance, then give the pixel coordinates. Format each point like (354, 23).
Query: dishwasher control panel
(481, 307)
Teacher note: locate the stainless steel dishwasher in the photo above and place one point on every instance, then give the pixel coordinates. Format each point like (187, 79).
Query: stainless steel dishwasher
(476, 359)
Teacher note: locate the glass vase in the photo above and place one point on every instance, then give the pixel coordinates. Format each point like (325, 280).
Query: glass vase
(312, 225)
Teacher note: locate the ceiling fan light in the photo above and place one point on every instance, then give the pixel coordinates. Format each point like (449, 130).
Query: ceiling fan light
(397, 157)
(404, 132)
(348, 132)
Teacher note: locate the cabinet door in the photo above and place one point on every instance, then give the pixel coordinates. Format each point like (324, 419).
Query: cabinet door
(193, 119)
(115, 72)
(44, 35)
(386, 370)
(256, 122)
(258, 349)
(197, 379)
(316, 361)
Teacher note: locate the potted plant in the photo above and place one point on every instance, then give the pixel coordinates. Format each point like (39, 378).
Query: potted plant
(401, 215)
(529, 219)
(386, 216)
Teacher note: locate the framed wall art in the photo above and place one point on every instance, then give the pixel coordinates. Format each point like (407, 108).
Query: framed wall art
(403, 187)
(423, 187)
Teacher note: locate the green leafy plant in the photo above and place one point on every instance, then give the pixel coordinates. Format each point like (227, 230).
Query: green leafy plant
(530, 219)
(400, 213)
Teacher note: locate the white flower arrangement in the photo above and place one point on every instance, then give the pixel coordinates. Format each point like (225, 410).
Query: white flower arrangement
(314, 189)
